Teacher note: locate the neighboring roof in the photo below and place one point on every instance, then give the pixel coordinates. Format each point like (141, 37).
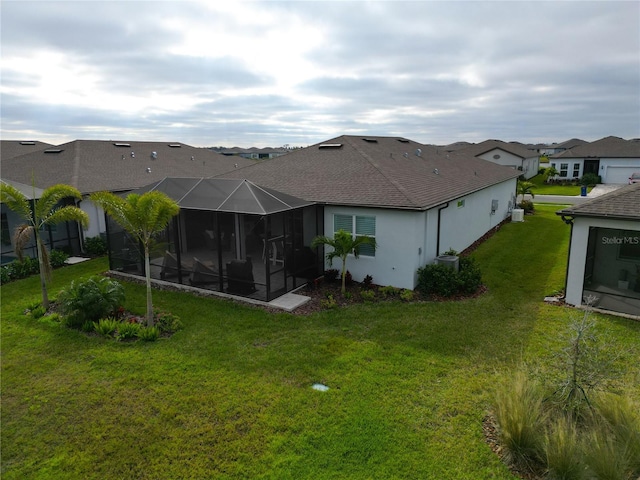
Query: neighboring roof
(608, 147)
(456, 146)
(27, 190)
(225, 195)
(622, 203)
(95, 165)
(386, 172)
(567, 144)
(13, 148)
(516, 149)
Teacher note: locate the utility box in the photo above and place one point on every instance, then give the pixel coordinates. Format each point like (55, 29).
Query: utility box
(451, 261)
(517, 215)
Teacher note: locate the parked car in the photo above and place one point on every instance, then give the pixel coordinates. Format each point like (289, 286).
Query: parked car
(634, 178)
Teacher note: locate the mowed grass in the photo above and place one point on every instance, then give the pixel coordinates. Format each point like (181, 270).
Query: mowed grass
(542, 188)
(230, 395)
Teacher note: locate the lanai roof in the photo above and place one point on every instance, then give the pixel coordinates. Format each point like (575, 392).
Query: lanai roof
(389, 172)
(623, 203)
(225, 195)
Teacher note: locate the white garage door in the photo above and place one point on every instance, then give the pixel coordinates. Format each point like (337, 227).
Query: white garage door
(619, 174)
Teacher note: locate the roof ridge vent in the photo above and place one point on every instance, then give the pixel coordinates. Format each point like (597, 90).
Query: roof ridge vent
(175, 145)
(370, 140)
(330, 145)
(54, 150)
(122, 145)
(27, 143)
(403, 140)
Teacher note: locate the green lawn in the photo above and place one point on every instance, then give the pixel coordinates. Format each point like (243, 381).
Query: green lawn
(230, 396)
(542, 188)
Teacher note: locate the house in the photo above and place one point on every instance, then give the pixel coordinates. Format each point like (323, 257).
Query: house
(561, 147)
(95, 165)
(14, 148)
(612, 158)
(604, 251)
(512, 155)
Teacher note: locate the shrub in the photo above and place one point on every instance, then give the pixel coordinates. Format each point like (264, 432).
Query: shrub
(527, 206)
(368, 295)
(95, 246)
(330, 302)
(58, 258)
(520, 419)
(389, 291)
(438, 279)
(90, 300)
(331, 275)
(20, 269)
(406, 295)
(38, 311)
(167, 322)
(148, 334)
(469, 275)
(106, 326)
(128, 330)
(348, 278)
(368, 281)
(590, 179)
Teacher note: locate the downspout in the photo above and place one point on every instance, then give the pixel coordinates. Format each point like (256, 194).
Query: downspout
(568, 219)
(438, 236)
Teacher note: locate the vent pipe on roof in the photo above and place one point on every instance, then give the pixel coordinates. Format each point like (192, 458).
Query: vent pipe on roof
(418, 152)
(133, 155)
(154, 155)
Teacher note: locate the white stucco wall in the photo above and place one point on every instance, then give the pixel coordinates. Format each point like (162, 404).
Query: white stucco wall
(578, 252)
(96, 218)
(505, 158)
(407, 239)
(618, 170)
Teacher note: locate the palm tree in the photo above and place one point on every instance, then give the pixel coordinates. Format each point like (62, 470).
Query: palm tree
(142, 216)
(47, 210)
(343, 244)
(525, 188)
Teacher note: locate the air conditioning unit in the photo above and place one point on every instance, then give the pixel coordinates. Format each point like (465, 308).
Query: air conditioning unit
(451, 261)
(517, 215)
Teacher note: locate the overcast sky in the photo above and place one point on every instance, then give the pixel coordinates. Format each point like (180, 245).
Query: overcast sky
(297, 73)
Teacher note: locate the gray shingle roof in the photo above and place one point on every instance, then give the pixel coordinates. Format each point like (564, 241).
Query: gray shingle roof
(95, 165)
(623, 203)
(608, 147)
(376, 171)
(14, 148)
(516, 149)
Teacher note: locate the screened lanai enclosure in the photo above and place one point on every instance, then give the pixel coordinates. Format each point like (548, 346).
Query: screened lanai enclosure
(230, 236)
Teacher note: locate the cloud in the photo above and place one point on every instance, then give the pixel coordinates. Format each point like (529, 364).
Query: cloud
(270, 73)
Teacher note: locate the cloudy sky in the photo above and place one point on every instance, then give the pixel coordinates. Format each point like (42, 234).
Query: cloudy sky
(274, 73)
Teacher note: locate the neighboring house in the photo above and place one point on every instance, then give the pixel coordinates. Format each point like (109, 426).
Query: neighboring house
(14, 148)
(117, 166)
(614, 159)
(416, 202)
(252, 153)
(604, 251)
(512, 155)
(561, 147)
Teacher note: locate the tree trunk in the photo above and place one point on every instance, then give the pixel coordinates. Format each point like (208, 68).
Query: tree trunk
(43, 273)
(147, 271)
(344, 275)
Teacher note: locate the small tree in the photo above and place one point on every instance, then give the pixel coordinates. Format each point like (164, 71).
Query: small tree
(47, 210)
(343, 245)
(549, 172)
(142, 216)
(525, 188)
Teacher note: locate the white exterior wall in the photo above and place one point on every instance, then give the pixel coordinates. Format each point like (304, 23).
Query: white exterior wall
(400, 239)
(578, 252)
(461, 226)
(407, 239)
(507, 159)
(96, 218)
(530, 167)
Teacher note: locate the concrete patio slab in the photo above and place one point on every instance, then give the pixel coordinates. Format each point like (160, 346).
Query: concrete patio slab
(289, 301)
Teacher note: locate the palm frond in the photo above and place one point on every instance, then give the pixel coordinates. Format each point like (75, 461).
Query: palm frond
(21, 236)
(16, 201)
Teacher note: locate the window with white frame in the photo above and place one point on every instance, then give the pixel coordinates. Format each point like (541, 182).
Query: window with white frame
(357, 225)
(564, 169)
(576, 170)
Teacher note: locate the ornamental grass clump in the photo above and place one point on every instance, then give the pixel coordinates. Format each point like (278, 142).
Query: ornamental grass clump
(89, 300)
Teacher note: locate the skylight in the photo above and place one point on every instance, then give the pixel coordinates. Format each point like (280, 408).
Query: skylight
(330, 145)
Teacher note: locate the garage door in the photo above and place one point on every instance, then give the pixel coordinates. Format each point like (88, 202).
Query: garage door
(619, 174)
